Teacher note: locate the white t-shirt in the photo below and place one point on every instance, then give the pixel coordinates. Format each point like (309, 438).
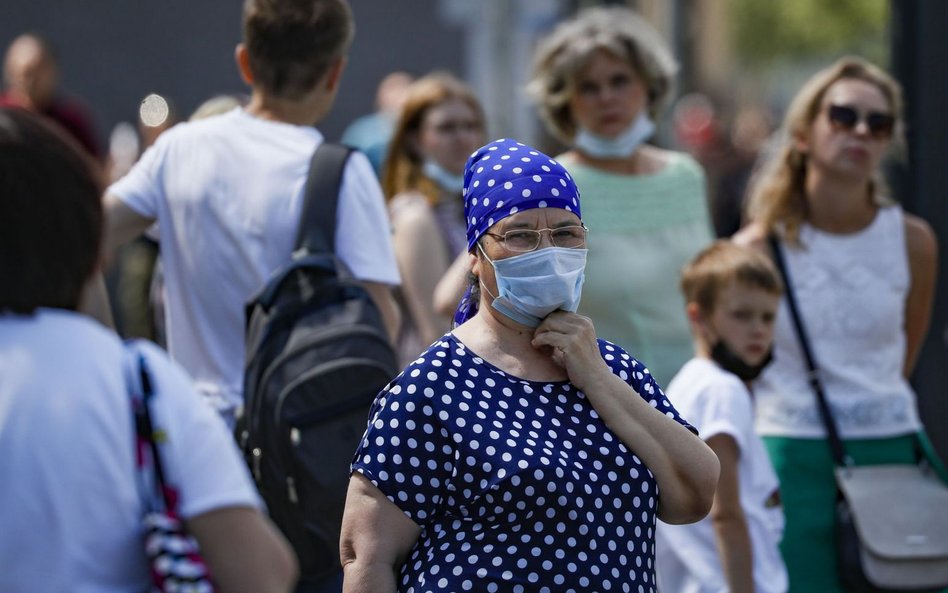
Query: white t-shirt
(70, 505)
(227, 193)
(686, 558)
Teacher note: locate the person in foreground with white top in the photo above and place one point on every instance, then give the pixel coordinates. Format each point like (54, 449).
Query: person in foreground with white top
(863, 273)
(71, 509)
(732, 295)
(227, 193)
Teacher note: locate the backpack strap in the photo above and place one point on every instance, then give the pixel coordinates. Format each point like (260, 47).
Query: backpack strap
(317, 229)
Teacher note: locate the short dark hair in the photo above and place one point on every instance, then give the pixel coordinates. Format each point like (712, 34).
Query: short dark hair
(723, 262)
(291, 43)
(50, 215)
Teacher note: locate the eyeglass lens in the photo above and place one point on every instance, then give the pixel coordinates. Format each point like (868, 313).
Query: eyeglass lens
(845, 117)
(529, 239)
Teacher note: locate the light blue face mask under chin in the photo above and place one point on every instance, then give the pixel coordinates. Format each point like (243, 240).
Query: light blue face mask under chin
(446, 180)
(533, 285)
(621, 146)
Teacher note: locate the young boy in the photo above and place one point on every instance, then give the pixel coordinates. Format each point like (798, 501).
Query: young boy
(227, 192)
(731, 295)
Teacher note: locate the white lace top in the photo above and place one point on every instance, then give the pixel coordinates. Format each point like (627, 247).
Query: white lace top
(851, 291)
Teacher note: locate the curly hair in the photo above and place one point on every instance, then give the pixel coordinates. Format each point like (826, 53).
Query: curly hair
(561, 57)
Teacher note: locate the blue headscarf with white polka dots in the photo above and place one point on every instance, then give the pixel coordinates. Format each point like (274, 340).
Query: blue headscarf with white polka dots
(503, 178)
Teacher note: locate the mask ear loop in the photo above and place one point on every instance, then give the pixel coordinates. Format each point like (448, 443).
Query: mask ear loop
(467, 307)
(491, 262)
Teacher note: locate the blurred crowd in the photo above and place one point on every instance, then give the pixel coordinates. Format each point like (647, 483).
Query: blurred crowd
(476, 254)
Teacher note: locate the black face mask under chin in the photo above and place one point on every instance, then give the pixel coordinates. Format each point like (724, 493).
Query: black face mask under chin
(731, 362)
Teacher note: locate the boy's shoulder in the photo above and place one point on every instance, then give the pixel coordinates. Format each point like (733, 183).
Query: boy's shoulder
(701, 378)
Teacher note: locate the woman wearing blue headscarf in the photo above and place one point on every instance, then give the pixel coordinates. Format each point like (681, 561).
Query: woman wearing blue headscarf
(520, 452)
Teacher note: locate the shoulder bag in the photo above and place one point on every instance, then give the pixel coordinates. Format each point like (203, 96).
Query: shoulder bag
(891, 530)
(173, 555)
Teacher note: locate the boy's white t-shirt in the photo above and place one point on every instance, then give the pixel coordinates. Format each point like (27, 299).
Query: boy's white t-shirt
(687, 560)
(70, 505)
(227, 193)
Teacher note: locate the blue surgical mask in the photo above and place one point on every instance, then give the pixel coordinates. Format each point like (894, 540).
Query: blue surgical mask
(619, 147)
(533, 285)
(446, 180)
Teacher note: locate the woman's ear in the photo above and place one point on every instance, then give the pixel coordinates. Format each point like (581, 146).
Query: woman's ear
(801, 144)
(474, 262)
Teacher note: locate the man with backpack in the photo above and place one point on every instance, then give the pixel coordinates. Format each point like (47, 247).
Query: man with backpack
(227, 193)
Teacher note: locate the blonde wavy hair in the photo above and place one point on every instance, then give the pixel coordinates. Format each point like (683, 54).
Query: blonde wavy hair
(403, 169)
(778, 195)
(561, 57)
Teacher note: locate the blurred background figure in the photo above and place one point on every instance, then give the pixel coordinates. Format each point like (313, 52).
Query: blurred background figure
(74, 521)
(441, 124)
(218, 105)
(727, 147)
(130, 277)
(745, 143)
(601, 81)
(863, 273)
(371, 133)
(31, 78)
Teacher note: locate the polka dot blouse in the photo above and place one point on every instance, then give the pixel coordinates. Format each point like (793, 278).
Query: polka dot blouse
(517, 485)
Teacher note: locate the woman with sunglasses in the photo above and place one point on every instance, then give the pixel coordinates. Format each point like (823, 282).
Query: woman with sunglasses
(520, 452)
(863, 272)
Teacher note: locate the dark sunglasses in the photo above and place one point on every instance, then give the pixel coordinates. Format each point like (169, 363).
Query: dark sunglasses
(844, 117)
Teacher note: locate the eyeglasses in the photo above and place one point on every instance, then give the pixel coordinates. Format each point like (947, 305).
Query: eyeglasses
(572, 237)
(844, 117)
(455, 126)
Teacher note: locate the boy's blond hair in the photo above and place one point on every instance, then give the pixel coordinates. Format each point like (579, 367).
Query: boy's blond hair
(715, 267)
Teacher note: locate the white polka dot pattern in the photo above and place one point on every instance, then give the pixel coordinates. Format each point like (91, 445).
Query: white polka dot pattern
(520, 179)
(518, 485)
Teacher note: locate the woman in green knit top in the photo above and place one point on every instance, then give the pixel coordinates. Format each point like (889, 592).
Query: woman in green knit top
(600, 80)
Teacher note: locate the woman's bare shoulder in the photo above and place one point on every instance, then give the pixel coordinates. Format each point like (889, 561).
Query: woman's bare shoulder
(409, 207)
(920, 239)
(753, 235)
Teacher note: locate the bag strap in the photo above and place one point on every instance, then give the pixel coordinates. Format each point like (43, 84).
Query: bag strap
(141, 394)
(317, 228)
(813, 373)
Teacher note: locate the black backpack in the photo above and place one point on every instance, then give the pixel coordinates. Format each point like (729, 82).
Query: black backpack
(317, 355)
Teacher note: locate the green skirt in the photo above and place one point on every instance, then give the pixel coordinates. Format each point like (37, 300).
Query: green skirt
(808, 491)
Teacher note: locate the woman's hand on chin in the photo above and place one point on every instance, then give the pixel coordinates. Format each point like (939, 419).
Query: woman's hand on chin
(571, 341)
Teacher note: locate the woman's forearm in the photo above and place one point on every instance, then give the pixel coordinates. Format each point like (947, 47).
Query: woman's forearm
(368, 578)
(685, 468)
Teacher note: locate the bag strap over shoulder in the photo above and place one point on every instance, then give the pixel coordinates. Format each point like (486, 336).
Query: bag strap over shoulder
(317, 228)
(141, 393)
(832, 432)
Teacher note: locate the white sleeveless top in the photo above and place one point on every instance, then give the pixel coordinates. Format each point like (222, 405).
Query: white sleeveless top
(851, 291)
